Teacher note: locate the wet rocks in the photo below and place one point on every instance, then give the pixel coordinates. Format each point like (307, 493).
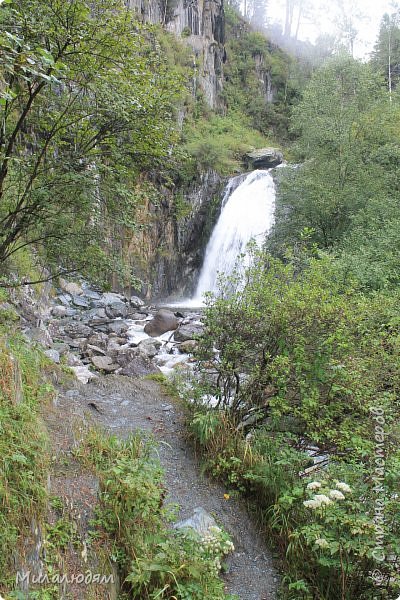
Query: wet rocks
(163, 321)
(149, 347)
(264, 158)
(140, 365)
(188, 332)
(136, 302)
(188, 347)
(116, 310)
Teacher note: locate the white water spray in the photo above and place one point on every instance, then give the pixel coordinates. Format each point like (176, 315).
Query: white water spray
(247, 213)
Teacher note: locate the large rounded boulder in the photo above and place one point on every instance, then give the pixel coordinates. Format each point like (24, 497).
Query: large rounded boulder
(164, 320)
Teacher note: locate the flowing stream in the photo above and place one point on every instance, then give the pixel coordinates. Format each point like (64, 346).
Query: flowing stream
(247, 213)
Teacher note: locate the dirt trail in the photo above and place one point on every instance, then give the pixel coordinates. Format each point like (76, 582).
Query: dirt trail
(122, 405)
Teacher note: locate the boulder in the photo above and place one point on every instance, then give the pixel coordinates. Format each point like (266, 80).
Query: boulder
(74, 289)
(65, 299)
(116, 310)
(96, 313)
(40, 336)
(110, 298)
(83, 374)
(61, 347)
(59, 311)
(188, 347)
(163, 321)
(149, 347)
(104, 363)
(136, 302)
(91, 349)
(52, 355)
(72, 360)
(188, 332)
(75, 329)
(264, 158)
(80, 302)
(98, 339)
(139, 366)
(117, 327)
(123, 356)
(201, 522)
(88, 293)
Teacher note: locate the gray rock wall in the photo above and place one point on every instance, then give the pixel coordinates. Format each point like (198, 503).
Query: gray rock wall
(201, 24)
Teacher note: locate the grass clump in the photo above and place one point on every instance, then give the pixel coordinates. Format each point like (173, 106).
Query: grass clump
(24, 457)
(155, 560)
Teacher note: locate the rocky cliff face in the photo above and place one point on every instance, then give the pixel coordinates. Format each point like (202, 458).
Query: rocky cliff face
(167, 250)
(201, 24)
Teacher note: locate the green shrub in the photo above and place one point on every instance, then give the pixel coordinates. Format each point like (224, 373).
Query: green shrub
(304, 365)
(155, 560)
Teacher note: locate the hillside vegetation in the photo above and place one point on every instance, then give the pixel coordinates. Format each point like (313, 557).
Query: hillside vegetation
(307, 375)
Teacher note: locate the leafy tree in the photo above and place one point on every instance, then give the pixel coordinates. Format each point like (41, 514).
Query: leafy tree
(83, 87)
(337, 176)
(386, 55)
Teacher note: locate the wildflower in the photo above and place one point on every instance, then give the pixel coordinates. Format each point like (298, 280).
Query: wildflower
(311, 504)
(336, 495)
(322, 499)
(314, 485)
(343, 486)
(322, 543)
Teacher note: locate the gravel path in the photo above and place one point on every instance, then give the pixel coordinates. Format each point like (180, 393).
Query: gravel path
(123, 405)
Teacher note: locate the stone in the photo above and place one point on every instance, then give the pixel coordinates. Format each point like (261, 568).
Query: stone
(117, 327)
(96, 313)
(59, 311)
(188, 332)
(74, 289)
(53, 355)
(201, 521)
(163, 321)
(40, 336)
(65, 299)
(264, 158)
(139, 366)
(110, 298)
(88, 293)
(104, 363)
(116, 310)
(136, 302)
(61, 347)
(149, 347)
(80, 302)
(188, 347)
(91, 349)
(83, 374)
(72, 360)
(76, 329)
(98, 339)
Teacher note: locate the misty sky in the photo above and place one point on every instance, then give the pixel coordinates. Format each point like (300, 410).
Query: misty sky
(373, 10)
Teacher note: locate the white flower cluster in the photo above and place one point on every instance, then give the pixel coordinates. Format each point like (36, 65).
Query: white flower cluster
(318, 501)
(216, 544)
(322, 543)
(322, 499)
(314, 485)
(341, 485)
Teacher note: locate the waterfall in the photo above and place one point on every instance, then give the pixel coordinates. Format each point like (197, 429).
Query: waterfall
(247, 213)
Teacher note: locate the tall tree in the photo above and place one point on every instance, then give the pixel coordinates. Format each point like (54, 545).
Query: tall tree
(335, 179)
(82, 85)
(386, 55)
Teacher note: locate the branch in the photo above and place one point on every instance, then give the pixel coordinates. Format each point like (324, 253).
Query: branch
(44, 280)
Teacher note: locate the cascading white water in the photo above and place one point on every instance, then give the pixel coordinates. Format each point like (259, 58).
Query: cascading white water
(247, 213)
